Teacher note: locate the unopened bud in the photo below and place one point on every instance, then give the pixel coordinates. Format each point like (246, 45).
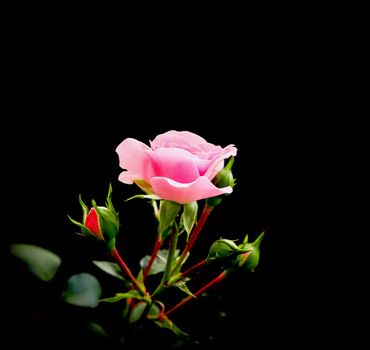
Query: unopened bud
(223, 179)
(100, 222)
(250, 259)
(223, 248)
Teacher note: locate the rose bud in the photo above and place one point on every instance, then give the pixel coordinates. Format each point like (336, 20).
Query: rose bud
(100, 222)
(223, 248)
(224, 178)
(92, 223)
(249, 260)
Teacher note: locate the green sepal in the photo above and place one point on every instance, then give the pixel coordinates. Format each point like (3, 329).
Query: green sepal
(108, 202)
(178, 269)
(155, 209)
(85, 209)
(189, 216)
(183, 287)
(143, 196)
(134, 294)
(168, 324)
(140, 279)
(108, 221)
(167, 214)
(214, 201)
(146, 187)
(85, 231)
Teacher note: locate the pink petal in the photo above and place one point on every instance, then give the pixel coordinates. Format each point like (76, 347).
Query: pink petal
(128, 178)
(179, 138)
(182, 193)
(215, 167)
(177, 164)
(134, 158)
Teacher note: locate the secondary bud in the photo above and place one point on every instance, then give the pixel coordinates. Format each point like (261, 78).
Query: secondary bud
(250, 259)
(100, 222)
(223, 179)
(223, 248)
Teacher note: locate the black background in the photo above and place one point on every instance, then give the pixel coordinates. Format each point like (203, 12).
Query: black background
(75, 102)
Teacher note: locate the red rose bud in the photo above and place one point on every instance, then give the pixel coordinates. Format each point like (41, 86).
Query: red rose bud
(249, 260)
(224, 178)
(92, 223)
(100, 222)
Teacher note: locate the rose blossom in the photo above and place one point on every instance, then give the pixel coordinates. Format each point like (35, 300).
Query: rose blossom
(179, 166)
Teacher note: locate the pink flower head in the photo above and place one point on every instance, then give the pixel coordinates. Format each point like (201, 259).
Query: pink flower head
(179, 166)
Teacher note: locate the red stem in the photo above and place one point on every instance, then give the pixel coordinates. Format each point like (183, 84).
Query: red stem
(127, 271)
(193, 268)
(157, 246)
(184, 301)
(193, 237)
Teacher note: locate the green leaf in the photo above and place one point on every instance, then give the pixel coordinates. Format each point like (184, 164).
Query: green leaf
(154, 311)
(83, 290)
(159, 263)
(167, 214)
(183, 287)
(110, 268)
(190, 216)
(96, 329)
(168, 324)
(119, 296)
(137, 311)
(41, 262)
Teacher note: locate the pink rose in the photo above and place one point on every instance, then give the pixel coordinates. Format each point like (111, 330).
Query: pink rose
(179, 166)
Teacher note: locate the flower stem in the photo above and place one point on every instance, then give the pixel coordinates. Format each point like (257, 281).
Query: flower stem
(169, 263)
(171, 254)
(193, 268)
(194, 235)
(127, 271)
(157, 246)
(184, 301)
